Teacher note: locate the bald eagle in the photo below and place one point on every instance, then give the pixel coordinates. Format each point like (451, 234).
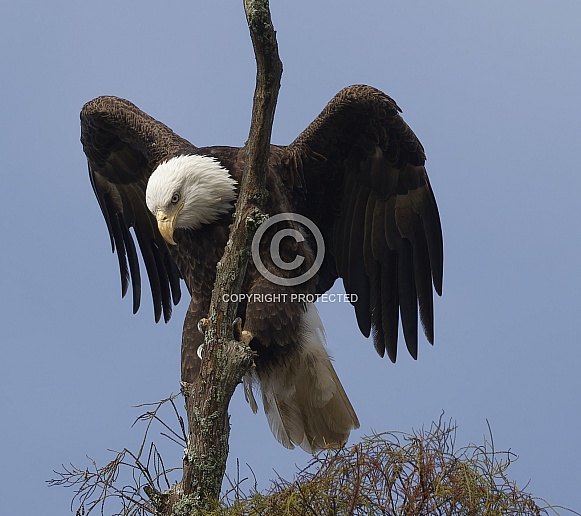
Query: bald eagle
(356, 172)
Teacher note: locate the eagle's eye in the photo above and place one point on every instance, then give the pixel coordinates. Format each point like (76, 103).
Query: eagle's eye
(175, 198)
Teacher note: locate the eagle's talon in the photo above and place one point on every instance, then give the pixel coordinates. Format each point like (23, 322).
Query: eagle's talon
(239, 334)
(203, 325)
(237, 327)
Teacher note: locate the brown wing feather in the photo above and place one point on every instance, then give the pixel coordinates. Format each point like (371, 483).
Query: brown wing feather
(123, 146)
(368, 192)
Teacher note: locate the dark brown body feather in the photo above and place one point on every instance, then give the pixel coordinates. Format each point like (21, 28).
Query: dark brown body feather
(357, 171)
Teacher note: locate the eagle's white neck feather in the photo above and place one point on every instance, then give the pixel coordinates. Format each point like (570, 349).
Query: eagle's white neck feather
(204, 186)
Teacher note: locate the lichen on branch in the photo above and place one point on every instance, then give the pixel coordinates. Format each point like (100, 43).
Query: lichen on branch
(225, 361)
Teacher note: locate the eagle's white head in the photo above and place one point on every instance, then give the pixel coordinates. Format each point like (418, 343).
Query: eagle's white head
(188, 191)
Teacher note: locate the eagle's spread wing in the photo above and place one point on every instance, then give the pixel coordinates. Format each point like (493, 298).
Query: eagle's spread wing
(123, 146)
(368, 192)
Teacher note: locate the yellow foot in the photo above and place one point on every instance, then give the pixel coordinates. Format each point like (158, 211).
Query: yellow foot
(203, 325)
(239, 334)
(246, 337)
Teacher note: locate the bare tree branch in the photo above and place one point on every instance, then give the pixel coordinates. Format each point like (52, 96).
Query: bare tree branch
(225, 360)
(127, 476)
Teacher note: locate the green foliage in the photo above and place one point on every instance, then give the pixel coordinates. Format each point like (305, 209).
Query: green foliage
(396, 473)
(392, 473)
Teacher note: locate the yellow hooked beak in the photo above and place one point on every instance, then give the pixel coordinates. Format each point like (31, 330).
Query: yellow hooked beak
(166, 224)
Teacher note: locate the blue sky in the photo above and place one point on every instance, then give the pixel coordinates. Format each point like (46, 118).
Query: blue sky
(492, 91)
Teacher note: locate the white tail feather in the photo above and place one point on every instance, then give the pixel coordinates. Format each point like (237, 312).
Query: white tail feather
(303, 399)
